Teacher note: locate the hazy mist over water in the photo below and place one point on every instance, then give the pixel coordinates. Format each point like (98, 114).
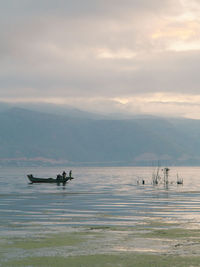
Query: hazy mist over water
(97, 196)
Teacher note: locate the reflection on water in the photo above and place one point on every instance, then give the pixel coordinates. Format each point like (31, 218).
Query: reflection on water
(97, 196)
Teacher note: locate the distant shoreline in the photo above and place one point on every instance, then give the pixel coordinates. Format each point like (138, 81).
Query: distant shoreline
(45, 164)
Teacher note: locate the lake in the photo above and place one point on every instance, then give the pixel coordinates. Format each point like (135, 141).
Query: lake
(97, 198)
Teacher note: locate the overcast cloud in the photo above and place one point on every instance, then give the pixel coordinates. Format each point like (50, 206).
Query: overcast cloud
(131, 56)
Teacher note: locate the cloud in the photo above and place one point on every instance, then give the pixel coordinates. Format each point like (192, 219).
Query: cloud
(81, 8)
(98, 50)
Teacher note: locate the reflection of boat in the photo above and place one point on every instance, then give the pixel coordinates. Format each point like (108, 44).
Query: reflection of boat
(48, 180)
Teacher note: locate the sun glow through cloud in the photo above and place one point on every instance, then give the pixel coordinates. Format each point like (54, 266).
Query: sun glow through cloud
(119, 54)
(164, 104)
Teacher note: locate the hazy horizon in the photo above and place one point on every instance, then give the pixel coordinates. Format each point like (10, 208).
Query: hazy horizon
(117, 113)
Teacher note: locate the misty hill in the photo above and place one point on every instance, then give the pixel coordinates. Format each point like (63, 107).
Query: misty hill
(27, 135)
(67, 110)
(64, 110)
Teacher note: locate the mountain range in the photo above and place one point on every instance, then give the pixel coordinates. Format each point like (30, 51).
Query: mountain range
(51, 135)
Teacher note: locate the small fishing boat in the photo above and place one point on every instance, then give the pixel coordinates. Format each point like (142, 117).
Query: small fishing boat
(49, 180)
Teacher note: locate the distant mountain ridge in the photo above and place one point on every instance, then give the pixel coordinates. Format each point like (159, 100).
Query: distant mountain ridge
(67, 110)
(35, 137)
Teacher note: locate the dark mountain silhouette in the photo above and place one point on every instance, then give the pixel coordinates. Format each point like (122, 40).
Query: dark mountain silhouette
(31, 136)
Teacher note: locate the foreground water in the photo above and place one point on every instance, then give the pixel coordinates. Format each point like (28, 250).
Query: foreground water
(98, 198)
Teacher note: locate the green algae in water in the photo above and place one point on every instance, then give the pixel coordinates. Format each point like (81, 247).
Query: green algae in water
(175, 233)
(84, 246)
(57, 240)
(160, 224)
(122, 260)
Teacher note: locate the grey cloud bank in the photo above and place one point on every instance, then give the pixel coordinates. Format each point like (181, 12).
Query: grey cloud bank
(92, 53)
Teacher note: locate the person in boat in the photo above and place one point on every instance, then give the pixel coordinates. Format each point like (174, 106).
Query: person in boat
(59, 177)
(70, 173)
(64, 174)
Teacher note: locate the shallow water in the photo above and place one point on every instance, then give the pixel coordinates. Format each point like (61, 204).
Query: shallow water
(96, 197)
(102, 217)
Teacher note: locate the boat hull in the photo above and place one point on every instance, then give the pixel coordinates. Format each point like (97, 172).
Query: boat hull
(33, 179)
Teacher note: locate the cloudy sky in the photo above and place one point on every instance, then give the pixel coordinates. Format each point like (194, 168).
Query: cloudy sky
(139, 56)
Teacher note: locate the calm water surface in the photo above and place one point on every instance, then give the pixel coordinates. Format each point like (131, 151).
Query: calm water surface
(97, 196)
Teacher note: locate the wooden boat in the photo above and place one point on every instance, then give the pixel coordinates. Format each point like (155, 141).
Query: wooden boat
(48, 180)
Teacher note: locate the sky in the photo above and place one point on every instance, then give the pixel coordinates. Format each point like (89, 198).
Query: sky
(130, 56)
